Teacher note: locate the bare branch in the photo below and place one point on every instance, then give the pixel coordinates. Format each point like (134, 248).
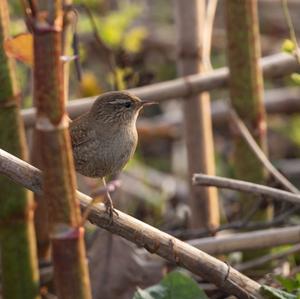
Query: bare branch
(189, 234)
(274, 65)
(268, 258)
(208, 180)
(142, 234)
(249, 241)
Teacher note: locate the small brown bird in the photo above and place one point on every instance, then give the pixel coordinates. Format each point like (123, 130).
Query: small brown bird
(105, 138)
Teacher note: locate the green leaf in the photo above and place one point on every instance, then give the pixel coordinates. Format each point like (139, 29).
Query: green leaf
(298, 279)
(154, 292)
(175, 285)
(113, 27)
(273, 293)
(288, 46)
(296, 78)
(289, 284)
(119, 76)
(133, 39)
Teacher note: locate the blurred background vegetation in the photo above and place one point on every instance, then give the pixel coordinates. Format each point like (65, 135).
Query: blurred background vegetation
(142, 38)
(134, 43)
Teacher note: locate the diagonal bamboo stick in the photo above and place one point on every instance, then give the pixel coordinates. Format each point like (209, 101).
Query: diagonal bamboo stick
(260, 155)
(31, 178)
(142, 234)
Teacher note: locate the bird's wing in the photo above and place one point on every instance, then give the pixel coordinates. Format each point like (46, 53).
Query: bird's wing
(79, 140)
(80, 134)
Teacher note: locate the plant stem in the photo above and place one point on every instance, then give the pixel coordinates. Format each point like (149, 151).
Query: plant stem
(197, 121)
(18, 252)
(69, 260)
(246, 92)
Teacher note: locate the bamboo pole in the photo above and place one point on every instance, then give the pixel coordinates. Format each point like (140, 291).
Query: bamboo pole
(246, 241)
(273, 66)
(277, 101)
(246, 91)
(243, 186)
(41, 213)
(19, 275)
(69, 260)
(142, 234)
(197, 121)
(41, 219)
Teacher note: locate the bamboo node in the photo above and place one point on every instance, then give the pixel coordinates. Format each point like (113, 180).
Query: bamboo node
(152, 248)
(188, 85)
(19, 217)
(174, 252)
(11, 101)
(190, 54)
(42, 25)
(63, 231)
(262, 127)
(43, 123)
(228, 271)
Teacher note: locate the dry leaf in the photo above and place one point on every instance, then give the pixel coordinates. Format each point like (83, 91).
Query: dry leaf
(20, 47)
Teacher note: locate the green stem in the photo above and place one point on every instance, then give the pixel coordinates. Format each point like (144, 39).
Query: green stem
(246, 91)
(18, 252)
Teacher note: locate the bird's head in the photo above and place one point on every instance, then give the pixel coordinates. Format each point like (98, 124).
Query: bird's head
(117, 107)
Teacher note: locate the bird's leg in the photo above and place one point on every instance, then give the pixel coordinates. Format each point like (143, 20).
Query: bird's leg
(109, 207)
(108, 202)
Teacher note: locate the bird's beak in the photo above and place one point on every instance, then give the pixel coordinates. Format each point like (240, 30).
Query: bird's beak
(143, 104)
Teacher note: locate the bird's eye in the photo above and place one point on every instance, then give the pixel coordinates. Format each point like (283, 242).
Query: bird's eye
(127, 104)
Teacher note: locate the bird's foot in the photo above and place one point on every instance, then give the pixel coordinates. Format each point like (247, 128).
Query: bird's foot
(110, 209)
(109, 204)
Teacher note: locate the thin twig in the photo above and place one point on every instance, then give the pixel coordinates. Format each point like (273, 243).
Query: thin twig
(75, 44)
(207, 34)
(289, 22)
(252, 211)
(220, 182)
(189, 234)
(260, 154)
(282, 218)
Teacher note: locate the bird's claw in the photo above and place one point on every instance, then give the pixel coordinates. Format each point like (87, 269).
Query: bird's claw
(110, 211)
